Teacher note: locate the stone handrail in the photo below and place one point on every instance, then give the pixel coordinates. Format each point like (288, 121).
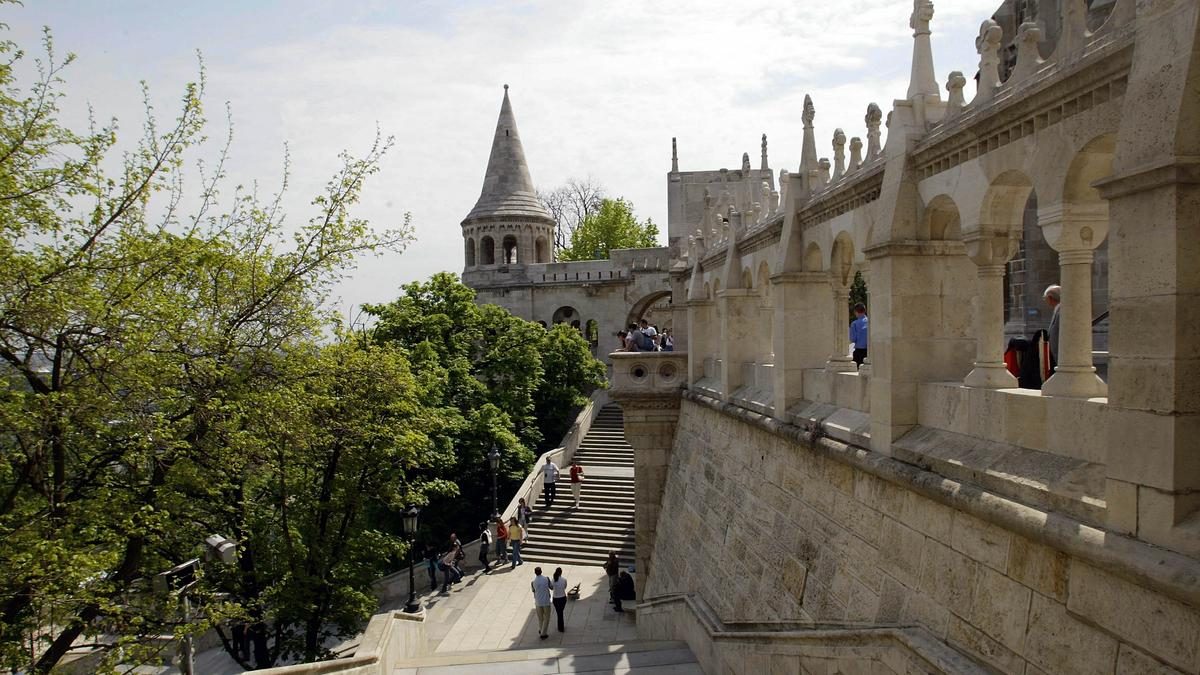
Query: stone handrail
(687, 617)
(390, 637)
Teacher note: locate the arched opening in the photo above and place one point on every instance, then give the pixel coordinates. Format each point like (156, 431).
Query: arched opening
(943, 219)
(814, 260)
(565, 315)
(510, 250)
(592, 334)
(470, 252)
(766, 306)
(542, 250)
(655, 308)
(487, 250)
(841, 275)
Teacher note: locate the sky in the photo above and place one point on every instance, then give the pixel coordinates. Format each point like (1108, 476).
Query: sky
(599, 88)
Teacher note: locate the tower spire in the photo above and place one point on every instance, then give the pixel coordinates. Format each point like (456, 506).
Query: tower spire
(764, 166)
(507, 188)
(674, 156)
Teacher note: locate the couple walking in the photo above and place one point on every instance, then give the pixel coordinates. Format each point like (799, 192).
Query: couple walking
(550, 474)
(547, 593)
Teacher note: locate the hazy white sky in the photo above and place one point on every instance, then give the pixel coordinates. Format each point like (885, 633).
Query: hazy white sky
(599, 87)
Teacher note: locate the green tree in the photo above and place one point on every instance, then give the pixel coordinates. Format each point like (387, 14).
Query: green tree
(138, 347)
(613, 226)
(495, 379)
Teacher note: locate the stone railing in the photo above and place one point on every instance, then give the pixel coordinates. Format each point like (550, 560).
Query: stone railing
(389, 638)
(637, 374)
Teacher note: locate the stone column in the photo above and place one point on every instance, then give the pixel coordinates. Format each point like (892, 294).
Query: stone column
(700, 329)
(738, 308)
(1075, 231)
(840, 361)
(647, 387)
(802, 319)
(990, 253)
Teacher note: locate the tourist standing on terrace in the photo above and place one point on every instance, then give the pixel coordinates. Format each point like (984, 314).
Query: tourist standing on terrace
(611, 568)
(858, 334)
(485, 543)
(541, 601)
(501, 541)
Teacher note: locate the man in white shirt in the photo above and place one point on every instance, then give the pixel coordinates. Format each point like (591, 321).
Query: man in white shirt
(549, 482)
(541, 601)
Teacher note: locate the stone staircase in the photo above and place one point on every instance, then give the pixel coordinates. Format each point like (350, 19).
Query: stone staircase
(642, 657)
(604, 520)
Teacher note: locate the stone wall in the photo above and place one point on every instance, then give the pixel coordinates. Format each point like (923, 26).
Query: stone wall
(765, 526)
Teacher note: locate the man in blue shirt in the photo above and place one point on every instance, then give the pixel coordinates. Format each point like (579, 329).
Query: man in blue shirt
(858, 334)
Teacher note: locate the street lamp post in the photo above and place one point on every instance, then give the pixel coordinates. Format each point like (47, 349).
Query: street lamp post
(408, 526)
(494, 462)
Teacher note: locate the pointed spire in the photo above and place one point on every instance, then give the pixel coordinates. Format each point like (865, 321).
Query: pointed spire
(764, 166)
(808, 151)
(507, 188)
(674, 156)
(922, 83)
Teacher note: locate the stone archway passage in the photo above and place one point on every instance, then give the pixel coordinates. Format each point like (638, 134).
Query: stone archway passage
(643, 307)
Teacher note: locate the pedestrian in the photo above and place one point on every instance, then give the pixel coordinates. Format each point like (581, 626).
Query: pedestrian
(1053, 297)
(516, 534)
(485, 544)
(668, 341)
(576, 480)
(559, 586)
(624, 590)
(459, 554)
(431, 565)
(524, 513)
(628, 343)
(549, 482)
(449, 572)
(611, 567)
(650, 331)
(859, 328)
(501, 541)
(541, 601)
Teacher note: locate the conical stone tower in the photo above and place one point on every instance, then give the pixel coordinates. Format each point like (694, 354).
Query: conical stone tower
(508, 226)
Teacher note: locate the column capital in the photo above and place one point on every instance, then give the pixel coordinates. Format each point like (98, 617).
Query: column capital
(989, 248)
(1073, 226)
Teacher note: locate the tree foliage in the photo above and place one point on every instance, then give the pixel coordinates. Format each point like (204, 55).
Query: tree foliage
(163, 377)
(495, 380)
(613, 226)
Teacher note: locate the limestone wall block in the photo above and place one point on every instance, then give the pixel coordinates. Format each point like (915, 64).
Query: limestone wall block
(1059, 643)
(1039, 567)
(1000, 608)
(1028, 411)
(974, 641)
(1130, 661)
(943, 405)
(1142, 447)
(987, 413)
(878, 494)
(905, 547)
(927, 516)
(925, 611)
(1163, 626)
(980, 541)
(1121, 502)
(948, 577)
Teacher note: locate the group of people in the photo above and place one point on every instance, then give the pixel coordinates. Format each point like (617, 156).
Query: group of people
(646, 338)
(552, 592)
(550, 475)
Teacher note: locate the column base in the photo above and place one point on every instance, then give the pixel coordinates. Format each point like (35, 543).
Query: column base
(1075, 382)
(843, 364)
(990, 376)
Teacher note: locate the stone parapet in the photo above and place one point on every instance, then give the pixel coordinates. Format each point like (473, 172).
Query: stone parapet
(642, 375)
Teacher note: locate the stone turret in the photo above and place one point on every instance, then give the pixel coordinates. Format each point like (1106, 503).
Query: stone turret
(509, 225)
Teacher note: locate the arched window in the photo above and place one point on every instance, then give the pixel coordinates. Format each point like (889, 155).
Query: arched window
(470, 252)
(487, 250)
(510, 250)
(566, 315)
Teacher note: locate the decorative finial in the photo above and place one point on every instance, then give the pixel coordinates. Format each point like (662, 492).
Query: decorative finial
(506, 88)
(765, 166)
(745, 163)
(674, 156)
(810, 112)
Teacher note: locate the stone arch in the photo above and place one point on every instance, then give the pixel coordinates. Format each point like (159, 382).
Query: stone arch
(470, 252)
(487, 250)
(1093, 162)
(592, 333)
(942, 219)
(1005, 201)
(747, 279)
(510, 247)
(814, 259)
(564, 314)
(542, 250)
(763, 279)
(841, 260)
(640, 308)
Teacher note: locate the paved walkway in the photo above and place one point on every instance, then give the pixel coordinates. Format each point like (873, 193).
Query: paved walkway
(495, 611)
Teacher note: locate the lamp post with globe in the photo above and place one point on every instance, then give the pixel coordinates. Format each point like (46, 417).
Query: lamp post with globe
(408, 527)
(494, 462)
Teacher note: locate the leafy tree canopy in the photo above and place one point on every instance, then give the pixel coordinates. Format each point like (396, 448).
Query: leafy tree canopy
(613, 226)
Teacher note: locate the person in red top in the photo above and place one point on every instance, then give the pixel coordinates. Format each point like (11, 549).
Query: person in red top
(576, 480)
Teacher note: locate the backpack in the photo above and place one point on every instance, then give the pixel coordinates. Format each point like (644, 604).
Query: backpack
(643, 342)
